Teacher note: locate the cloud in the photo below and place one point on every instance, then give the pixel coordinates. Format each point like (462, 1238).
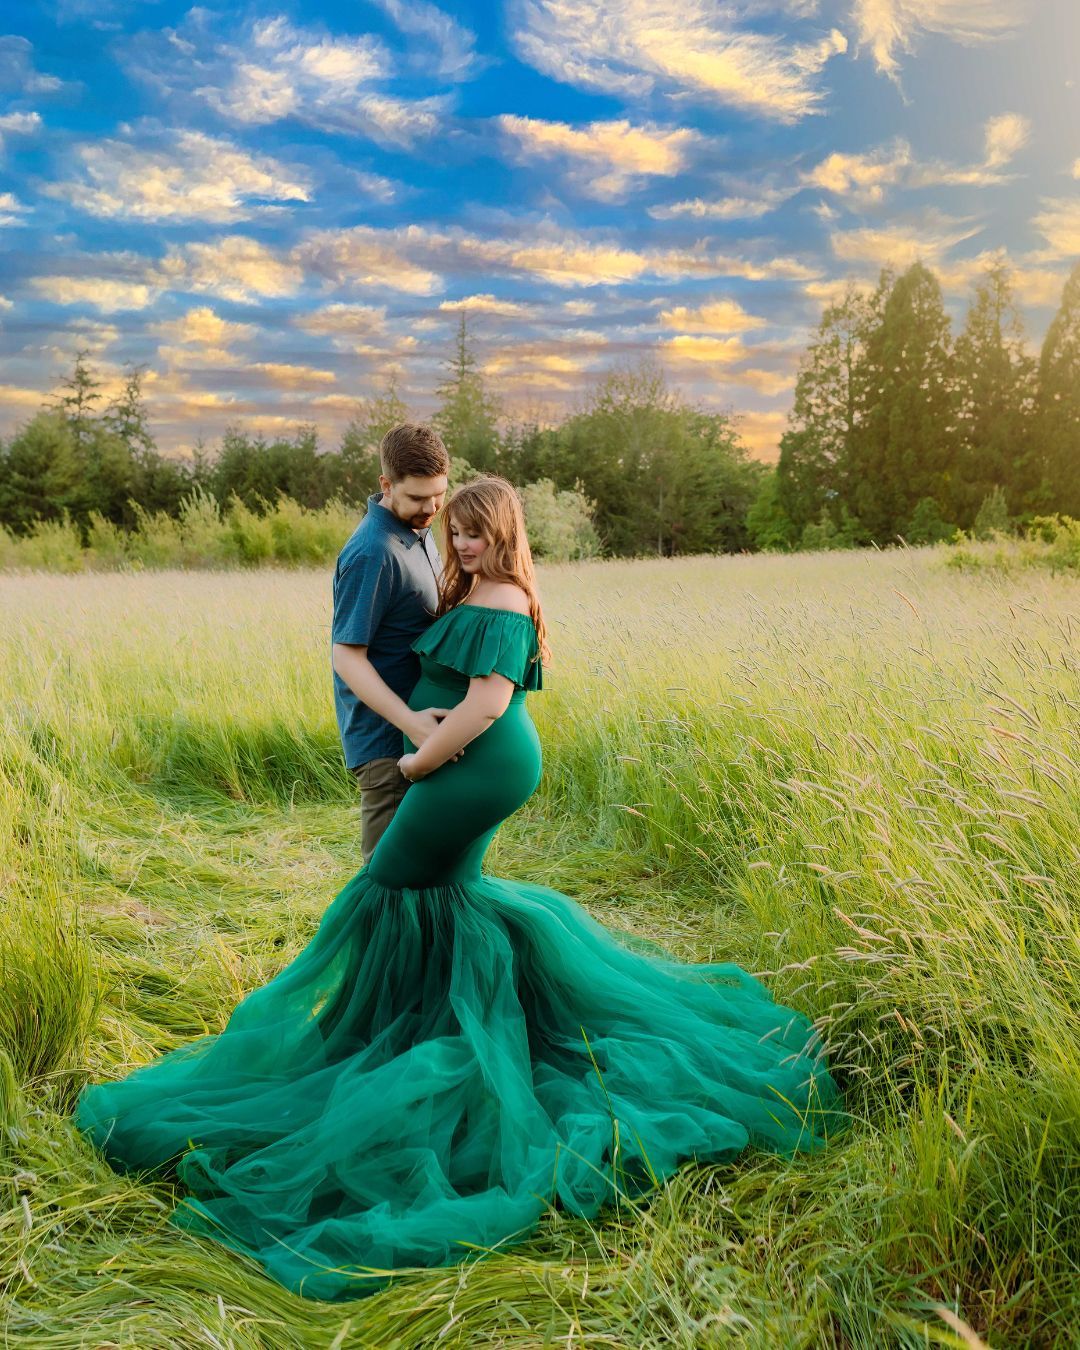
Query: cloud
(191, 176)
(1006, 136)
(12, 396)
(17, 71)
(413, 258)
(283, 376)
(453, 45)
(715, 351)
(760, 432)
(363, 256)
(271, 69)
(902, 244)
(343, 321)
(607, 158)
(689, 47)
(889, 28)
(734, 207)
(105, 293)
(202, 327)
(715, 316)
(487, 304)
(18, 124)
(767, 382)
(1059, 223)
(864, 176)
(11, 209)
(1076, 169)
(233, 267)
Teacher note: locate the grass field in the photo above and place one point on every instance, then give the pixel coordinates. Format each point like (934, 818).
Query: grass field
(856, 774)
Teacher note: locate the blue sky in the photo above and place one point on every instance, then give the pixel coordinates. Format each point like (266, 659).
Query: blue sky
(279, 207)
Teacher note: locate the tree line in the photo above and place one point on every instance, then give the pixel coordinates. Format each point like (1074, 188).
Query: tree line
(898, 431)
(901, 430)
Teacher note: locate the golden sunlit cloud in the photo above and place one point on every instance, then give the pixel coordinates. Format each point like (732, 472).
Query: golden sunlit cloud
(889, 28)
(631, 47)
(760, 432)
(1059, 223)
(105, 293)
(192, 177)
(767, 382)
(487, 304)
(344, 323)
(204, 327)
(606, 158)
(363, 256)
(864, 176)
(233, 267)
(714, 351)
(900, 245)
(1006, 136)
(725, 208)
(292, 377)
(12, 396)
(715, 316)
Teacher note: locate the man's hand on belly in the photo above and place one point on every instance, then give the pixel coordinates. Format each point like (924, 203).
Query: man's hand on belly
(427, 721)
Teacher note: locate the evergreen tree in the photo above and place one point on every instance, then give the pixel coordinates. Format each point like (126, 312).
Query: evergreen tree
(830, 400)
(995, 388)
(127, 417)
(75, 405)
(467, 416)
(39, 473)
(903, 448)
(358, 466)
(1057, 431)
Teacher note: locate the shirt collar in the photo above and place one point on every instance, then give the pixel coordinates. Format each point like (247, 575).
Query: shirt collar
(385, 519)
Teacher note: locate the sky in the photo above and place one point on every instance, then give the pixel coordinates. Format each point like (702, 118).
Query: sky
(276, 208)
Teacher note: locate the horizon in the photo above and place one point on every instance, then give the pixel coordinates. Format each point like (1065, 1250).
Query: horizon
(281, 209)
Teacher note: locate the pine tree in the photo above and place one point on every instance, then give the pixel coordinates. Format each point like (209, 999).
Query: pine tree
(1058, 406)
(75, 405)
(127, 416)
(995, 392)
(815, 451)
(467, 415)
(903, 450)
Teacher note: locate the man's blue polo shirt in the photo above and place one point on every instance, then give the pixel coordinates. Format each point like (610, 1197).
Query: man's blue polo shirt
(385, 596)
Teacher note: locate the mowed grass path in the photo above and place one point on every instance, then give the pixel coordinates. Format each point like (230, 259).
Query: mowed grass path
(855, 774)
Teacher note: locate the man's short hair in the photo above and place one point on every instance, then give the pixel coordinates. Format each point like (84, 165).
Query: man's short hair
(413, 450)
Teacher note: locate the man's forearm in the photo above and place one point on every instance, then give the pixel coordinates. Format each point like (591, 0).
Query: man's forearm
(371, 689)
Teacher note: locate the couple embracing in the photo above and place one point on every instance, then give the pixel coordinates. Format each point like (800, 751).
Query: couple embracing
(452, 1053)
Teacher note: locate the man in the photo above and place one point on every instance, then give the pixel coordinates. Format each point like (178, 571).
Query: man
(385, 596)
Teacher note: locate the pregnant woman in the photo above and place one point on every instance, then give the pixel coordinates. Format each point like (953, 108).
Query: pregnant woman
(452, 1053)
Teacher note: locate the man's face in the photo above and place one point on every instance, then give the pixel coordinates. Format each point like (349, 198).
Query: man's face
(415, 501)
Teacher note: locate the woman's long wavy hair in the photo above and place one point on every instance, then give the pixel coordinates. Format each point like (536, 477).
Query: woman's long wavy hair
(490, 506)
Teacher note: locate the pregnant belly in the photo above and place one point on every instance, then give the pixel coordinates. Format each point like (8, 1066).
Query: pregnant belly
(446, 821)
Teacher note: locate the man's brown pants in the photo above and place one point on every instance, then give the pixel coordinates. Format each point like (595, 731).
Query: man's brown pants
(382, 786)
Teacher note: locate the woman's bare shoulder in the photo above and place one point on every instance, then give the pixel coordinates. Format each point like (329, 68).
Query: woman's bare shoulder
(503, 595)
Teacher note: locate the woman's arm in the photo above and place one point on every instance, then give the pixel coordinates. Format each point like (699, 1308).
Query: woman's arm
(486, 701)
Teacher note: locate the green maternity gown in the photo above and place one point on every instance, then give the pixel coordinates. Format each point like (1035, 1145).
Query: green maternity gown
(452, 1053)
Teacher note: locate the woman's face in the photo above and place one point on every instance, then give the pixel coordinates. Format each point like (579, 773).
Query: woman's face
(468, 547)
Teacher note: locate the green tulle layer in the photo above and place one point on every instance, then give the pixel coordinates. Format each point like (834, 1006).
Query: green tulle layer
(438, 1066)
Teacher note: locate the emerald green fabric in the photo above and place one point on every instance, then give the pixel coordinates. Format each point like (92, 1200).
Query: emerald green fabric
(452, 1053)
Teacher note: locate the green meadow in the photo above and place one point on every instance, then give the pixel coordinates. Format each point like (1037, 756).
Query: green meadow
(855, 773)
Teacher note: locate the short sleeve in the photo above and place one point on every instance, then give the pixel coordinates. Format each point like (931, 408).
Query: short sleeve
(476, 641)
(363, 592)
